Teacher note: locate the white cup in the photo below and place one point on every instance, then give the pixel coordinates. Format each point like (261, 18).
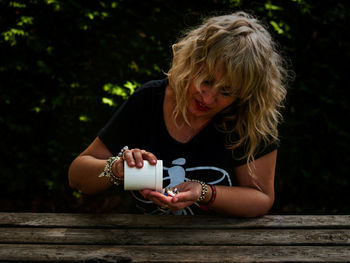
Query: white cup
(147, 177)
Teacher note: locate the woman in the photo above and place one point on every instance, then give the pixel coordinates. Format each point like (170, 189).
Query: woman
(213, 121)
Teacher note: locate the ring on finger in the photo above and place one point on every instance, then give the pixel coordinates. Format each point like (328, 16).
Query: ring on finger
(122, 152)
(123, 155)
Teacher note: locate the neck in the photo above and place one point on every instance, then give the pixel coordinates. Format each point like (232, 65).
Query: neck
(178, 128)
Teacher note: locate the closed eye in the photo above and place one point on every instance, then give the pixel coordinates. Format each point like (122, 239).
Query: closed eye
(208, 82)
(226, 91)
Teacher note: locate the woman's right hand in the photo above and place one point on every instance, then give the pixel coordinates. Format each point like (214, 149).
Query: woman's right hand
(189, 192)
(133, 157)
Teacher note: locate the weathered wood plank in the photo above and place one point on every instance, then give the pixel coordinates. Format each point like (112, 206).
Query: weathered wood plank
(149, 221)
(140, 254)
(174, 236)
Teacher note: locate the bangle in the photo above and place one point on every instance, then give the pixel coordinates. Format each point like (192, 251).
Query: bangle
(212, 199)
(108, 172)
(122, 151)
(204, 189)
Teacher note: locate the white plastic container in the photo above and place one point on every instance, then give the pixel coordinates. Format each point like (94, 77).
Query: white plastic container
(147, 177)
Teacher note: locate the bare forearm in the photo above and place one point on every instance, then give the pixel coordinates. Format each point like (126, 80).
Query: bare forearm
(242, 201)
(83, 175)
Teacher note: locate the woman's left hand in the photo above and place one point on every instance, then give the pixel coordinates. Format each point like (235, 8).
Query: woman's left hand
(189, 192)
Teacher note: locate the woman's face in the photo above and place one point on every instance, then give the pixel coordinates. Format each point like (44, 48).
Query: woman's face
(207, 102)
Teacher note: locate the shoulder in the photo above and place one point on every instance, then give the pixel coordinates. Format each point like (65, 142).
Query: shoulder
(152, 87)
(150, 92)
(148, 97)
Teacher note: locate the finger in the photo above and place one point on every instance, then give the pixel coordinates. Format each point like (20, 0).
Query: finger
(157, 198)
(149, 193)
(184, 197)
(160, 196)
(145, 193)
(175, 204)
(137, 154)
(158, 201)
(165, 201)
(129, 158)
(150, 157)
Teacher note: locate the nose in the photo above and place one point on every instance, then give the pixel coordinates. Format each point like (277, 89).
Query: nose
(209, 95)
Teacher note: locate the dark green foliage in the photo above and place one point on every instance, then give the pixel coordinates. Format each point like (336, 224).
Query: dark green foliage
(66, 65)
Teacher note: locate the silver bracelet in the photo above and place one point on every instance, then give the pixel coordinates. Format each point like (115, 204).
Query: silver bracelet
(204, 189)
(108, 172)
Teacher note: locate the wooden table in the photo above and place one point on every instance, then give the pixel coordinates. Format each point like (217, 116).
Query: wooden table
(141, 238)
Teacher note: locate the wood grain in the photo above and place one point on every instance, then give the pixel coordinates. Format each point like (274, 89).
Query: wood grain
(173, 237)
(149, 221)
(140, 254)
(30, 237)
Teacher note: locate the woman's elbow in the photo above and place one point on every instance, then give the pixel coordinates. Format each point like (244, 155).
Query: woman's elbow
(261, 208)
(265, 206)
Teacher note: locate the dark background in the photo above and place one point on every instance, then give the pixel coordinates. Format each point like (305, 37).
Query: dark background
(66, 65)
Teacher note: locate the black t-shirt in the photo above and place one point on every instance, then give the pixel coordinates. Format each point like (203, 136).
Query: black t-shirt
(139, 123)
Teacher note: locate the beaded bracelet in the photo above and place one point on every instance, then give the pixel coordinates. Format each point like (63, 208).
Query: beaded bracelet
(108, 171)
(122, 151)
(207, 206)
(204, 189)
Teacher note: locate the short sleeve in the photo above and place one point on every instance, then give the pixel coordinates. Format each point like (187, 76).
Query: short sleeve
(120, 127)
(262, 150)
(132, 119)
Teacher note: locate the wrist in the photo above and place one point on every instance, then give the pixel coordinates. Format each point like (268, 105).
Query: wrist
(109, 170)
(203, 191)
(208, 195)
(209, 204)
(109, 173)
(115, 169)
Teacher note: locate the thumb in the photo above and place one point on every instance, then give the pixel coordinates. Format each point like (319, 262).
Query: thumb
(183, 197)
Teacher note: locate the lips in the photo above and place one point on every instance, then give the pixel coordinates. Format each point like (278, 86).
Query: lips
(200, 106)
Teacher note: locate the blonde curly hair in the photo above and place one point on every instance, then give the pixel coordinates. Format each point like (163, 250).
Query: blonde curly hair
(254, 71)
